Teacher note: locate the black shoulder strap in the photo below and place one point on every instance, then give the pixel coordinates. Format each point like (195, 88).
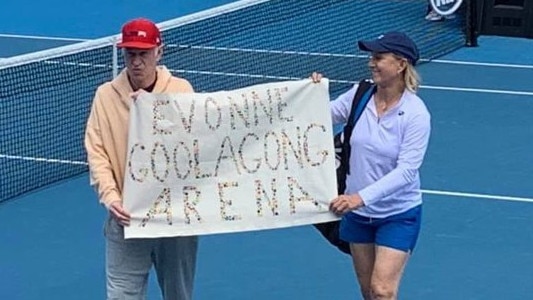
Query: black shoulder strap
(364, 86)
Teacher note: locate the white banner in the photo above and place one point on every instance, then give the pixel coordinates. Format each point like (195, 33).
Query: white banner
(254, 158)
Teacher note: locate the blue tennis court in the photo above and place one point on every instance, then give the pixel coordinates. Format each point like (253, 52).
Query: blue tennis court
(476, 238)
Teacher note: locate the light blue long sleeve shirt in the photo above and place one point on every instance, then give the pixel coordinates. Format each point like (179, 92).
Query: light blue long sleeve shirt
(386, 154)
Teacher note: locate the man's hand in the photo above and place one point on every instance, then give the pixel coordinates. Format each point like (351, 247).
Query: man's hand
(136, 94)
(346, 203)
(118, 212)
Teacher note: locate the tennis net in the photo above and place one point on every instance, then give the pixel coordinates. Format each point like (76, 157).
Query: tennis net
(46, 96)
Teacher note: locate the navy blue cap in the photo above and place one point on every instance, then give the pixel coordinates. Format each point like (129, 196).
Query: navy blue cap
(393, 42)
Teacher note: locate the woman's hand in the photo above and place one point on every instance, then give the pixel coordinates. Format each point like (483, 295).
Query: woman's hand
(316, 77)
(346, 203)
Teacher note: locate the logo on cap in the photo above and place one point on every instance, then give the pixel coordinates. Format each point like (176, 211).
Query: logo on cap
(140, 33)
(445, 7)
(135, 33)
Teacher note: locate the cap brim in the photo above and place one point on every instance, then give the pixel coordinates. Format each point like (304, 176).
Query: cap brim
(372, 46)
(136, 45)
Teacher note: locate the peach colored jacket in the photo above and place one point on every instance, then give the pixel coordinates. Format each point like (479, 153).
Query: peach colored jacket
(106, 136)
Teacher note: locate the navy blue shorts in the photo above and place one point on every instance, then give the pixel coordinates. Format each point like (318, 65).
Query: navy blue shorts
(397, 231)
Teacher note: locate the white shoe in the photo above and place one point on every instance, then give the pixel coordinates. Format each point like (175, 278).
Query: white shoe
(433, 16)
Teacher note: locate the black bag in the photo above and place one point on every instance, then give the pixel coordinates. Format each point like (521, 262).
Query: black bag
(330, 230)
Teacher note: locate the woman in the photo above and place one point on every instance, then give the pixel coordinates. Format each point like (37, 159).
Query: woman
(381, 205)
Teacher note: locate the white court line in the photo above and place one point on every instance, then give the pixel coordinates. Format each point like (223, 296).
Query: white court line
(479, 196)
(475, 90)
(41, 159)
(34, 37)
(482, 64)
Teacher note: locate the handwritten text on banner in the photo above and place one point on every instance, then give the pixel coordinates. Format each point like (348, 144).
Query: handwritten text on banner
(254, 158)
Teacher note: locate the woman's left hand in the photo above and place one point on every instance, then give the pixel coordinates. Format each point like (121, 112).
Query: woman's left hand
(346, 203)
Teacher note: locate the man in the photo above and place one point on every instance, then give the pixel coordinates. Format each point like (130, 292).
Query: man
(128, 261)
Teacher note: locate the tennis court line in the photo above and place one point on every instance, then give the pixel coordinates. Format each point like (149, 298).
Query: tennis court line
(476, 90)
(42, 159)
(479, 196)
(34, 37)
(481, 64)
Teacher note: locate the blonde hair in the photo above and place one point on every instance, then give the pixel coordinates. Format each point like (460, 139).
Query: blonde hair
(411, 78)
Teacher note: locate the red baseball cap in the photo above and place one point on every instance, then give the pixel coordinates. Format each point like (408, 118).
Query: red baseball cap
(141, 34)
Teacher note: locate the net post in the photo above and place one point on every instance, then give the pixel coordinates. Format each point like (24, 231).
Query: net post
(471, 23)
(115, 57)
